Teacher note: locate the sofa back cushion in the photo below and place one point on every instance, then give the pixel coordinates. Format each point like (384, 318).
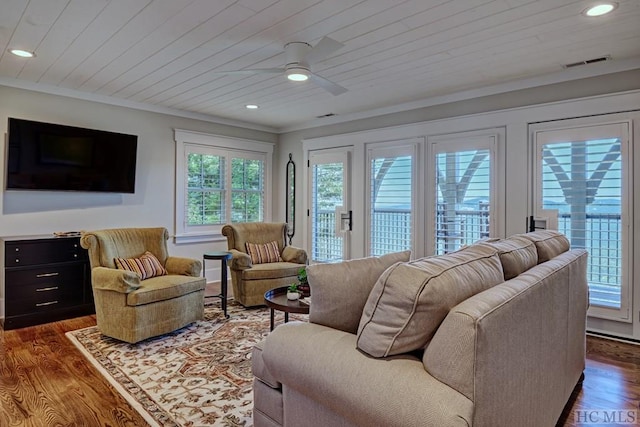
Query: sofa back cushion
(410, 300)
(339, 291)
(549, 244)
(517, 254)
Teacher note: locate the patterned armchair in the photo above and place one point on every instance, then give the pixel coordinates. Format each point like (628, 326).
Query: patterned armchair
(261, 260)
(139, 290)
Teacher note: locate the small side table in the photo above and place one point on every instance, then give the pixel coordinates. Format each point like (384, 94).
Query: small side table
(223, 257)
(276, 299)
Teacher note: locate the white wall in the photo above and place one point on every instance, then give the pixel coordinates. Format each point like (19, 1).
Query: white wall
(37, 212)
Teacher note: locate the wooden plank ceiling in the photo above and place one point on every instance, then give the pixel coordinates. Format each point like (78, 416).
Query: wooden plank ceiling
(168, 53)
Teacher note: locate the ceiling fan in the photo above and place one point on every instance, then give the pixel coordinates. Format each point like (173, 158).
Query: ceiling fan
(300, 56)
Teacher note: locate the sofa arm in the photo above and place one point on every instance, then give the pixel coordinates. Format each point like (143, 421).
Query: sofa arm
(239, 260)
(183, 266)
(293, 254)
(324, 365)
(111, 279)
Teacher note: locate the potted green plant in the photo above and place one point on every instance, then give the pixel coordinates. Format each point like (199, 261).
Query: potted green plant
(292, 292)
(303, 283)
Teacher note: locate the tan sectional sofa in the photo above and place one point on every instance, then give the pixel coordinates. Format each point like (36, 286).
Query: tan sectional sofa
(492, 335)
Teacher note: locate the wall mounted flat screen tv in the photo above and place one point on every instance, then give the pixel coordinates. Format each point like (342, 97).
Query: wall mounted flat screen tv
(45, 156)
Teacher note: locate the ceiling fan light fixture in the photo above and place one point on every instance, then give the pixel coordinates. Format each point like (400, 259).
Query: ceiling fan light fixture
(297, 74)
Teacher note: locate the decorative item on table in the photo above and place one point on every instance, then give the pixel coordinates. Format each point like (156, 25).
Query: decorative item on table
(303, 285)
(293, 292)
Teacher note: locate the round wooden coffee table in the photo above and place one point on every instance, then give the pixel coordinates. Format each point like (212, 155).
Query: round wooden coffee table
(276, 299)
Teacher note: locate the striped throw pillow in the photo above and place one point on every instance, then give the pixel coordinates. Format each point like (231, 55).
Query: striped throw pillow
(146, 266)
(261, 254)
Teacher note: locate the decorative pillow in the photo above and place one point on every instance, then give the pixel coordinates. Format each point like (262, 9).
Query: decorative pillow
(549, 243)
(339, 291)
(410, 300)
(517, 254)
(146, 266)
(261, 254)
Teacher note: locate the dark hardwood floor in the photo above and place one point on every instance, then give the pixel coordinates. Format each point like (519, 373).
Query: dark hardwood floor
(46, 381)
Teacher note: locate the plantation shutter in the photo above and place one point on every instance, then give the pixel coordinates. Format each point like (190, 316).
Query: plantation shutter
(583, 174)
(247, 190)
(390, 212)
(582, 180)
(205, 189)
(463, 188)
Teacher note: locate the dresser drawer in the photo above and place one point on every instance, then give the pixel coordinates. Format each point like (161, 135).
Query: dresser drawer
(34, 252)
(42, 288)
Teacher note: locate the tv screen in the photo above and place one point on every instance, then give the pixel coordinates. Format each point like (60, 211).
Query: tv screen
(45, 156)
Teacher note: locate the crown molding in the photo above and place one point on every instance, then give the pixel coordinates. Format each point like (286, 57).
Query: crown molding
(109, 100)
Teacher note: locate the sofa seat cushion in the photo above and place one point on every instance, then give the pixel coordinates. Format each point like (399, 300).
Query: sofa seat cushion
(326, 368)
(339, 291)
(410, 300)
(549, 244)
(517, 254)
(162, 288)
(272, 270)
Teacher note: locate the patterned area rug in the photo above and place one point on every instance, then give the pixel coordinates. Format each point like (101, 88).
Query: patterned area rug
(199, 375)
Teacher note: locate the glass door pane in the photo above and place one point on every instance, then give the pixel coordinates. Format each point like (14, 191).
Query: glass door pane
(463, 189)
(391, 194)
(582, 178)
(328, 179)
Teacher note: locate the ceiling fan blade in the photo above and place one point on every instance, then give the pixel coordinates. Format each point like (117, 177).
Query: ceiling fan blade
(325, 47)
(328, 85)
(253, 71)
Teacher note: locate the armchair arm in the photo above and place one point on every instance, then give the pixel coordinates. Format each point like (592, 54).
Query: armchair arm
(183, 266)
(239, 260)
(293, 254)
(111, 279)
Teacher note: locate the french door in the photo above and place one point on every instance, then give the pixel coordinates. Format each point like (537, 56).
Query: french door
(329, 217)
(582, 189)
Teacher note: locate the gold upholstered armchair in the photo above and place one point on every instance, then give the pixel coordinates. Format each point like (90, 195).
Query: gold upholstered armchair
(139, 290)
(261, 260)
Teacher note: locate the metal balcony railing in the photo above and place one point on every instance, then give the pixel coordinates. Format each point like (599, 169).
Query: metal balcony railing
(391, 232)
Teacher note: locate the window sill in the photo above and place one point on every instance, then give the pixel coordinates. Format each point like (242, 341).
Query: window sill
(185, 239)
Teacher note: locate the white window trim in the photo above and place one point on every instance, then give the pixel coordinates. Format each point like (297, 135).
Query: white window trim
(186, 139)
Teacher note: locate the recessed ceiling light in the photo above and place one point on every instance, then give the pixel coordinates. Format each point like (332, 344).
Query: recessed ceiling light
(600, 9)
(22, 53)
(251, 107)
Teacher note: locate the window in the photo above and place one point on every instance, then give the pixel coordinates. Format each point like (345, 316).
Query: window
(582, 181)
(219, 180)
(463, 177)
(391, 201)
(329, 200)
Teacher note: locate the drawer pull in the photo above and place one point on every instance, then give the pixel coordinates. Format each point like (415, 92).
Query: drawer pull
(41, 304)
(50, 288)
(47, 274)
